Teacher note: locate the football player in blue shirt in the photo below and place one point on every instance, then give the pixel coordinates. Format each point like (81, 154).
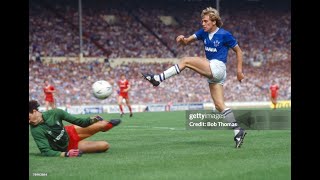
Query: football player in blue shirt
(217, 42)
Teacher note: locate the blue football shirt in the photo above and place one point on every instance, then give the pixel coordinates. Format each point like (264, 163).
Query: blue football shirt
(217, 47)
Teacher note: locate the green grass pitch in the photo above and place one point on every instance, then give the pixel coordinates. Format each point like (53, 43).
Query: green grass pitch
(156, 145)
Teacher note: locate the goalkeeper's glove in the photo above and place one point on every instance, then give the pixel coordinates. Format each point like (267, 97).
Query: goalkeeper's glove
(95, 119)
(73, 153)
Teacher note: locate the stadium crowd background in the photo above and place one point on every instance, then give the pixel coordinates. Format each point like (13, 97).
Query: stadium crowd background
(262, 28)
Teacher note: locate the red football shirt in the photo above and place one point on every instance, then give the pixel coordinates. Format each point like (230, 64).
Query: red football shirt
(123, 84)
(49, 95)
(274, 90)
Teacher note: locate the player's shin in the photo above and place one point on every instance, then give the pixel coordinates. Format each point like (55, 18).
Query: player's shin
(107, 127)
(121, 110)
(229, 117)
(111, 123)
(174, 70)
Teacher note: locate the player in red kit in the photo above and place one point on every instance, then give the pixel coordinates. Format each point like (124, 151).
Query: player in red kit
(124, 86)
(48, 90)
(274, 94)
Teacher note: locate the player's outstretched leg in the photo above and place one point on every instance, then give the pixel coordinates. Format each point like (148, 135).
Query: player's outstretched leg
(197, 64)
(115, 122)
(155, 80)
(104, 125)
(150, 77)
(100, 126)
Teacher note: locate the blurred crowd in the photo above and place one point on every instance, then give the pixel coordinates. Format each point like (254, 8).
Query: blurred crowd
(126, 29)
(264, 34)
(73, 83)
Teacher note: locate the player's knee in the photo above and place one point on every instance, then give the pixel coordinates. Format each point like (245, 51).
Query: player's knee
(185, 61)
(104, 146)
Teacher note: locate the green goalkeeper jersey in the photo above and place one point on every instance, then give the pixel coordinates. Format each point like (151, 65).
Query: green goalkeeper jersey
(51, 136)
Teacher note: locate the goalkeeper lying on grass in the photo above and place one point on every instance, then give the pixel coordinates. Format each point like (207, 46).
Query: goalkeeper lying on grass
(55, 139)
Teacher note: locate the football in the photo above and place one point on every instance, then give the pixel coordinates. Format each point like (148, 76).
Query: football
(101, 89)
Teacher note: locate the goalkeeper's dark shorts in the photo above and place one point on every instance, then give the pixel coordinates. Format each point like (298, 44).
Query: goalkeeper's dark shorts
(73, 137)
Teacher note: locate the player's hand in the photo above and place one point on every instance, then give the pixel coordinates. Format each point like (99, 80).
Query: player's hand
(73, 153)
(180, 39)
(240, 76)
(95, 119)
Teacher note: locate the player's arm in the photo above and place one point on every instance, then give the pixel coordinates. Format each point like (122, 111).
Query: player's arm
(49, 91)
(128, 88)
(52, 90)
(82, 122)
(239, 57)
(43, 144)
(185, 41)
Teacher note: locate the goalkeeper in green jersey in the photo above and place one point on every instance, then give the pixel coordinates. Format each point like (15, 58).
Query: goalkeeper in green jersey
(55, 139)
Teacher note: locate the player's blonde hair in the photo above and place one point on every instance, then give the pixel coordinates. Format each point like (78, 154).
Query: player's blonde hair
(213, 15)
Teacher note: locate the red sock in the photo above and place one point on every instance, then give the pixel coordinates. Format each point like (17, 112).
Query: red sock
(108, 127)
(130, 109)
(121, 108)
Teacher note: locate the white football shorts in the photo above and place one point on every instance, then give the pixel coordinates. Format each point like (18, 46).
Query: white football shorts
(218, 70)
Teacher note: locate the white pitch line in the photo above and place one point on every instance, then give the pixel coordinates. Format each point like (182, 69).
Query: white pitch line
(152, 127)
